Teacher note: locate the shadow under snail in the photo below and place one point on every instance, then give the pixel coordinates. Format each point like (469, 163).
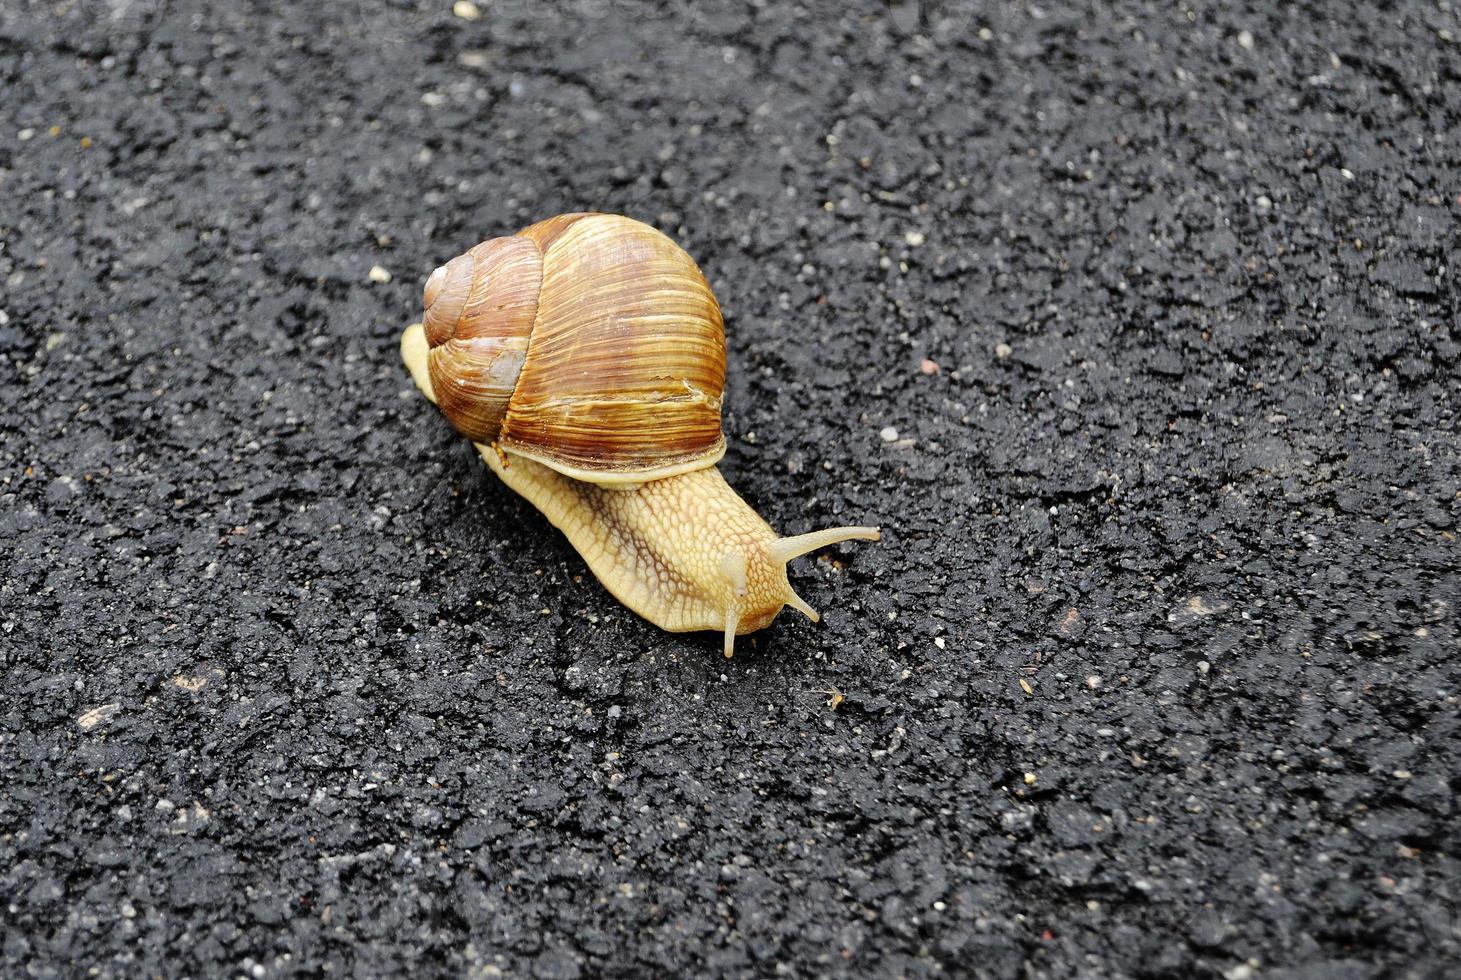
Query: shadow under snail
(585, 358)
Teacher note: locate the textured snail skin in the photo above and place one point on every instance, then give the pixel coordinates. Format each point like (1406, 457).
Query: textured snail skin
(684, 551)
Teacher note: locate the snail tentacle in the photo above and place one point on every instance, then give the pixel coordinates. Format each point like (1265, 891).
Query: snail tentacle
(731, 620)
(801, 605)
(785, 549)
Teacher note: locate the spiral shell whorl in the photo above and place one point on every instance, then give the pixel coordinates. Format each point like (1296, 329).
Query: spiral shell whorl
(588, 342)
(626, 366)
(480, 308)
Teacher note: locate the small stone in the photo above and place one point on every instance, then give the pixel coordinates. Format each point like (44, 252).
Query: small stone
(98, 715)
(1003, 350)
(1030, 779)
(1016, 821)
(929, 366)
(1207, 929)
(60, 491)
(1245, 40)
(573, 678)
(914, 238)
(889, 434)
(379, 274)
(1197, 605)
(1071, 623)
(467, 10)
(26, 135)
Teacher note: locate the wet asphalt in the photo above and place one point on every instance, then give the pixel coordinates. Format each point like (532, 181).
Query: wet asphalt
(1134, 325)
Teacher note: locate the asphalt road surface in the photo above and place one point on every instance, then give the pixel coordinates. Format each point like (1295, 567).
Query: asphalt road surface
(1134, 325)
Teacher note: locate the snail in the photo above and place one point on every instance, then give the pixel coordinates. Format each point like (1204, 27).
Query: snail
(585, 357)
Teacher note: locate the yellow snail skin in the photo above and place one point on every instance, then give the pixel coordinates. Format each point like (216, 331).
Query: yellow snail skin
(585, 359)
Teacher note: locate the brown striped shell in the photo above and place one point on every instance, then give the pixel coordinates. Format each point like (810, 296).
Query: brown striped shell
(588, 342)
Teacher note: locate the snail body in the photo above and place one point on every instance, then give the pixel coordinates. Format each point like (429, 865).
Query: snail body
(585, 358)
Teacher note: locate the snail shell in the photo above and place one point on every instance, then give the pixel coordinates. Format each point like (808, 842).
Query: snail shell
(590, 343)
